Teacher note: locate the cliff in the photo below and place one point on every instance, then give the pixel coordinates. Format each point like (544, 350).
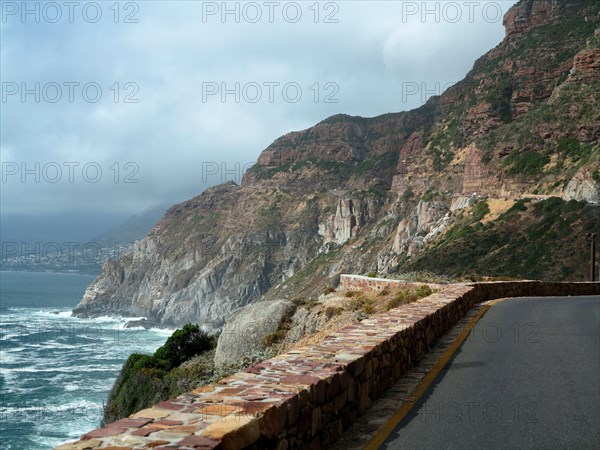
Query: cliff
(389, 193)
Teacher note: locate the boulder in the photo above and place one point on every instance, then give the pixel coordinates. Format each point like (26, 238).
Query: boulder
(246, 328)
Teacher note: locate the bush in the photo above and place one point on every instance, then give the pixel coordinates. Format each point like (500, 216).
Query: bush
(273, 338)
(385, 291)
(328, 290)
(480, 210)
(407, 195)
(372, 274)
(144, 379)
(405, 296)
(518, 206)
(184, 344)
(331, 311)
(424, 291)
(368, 307)
(528, 162)
(401, 298)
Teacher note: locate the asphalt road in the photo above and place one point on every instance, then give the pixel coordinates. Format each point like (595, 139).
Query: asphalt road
(527, 377)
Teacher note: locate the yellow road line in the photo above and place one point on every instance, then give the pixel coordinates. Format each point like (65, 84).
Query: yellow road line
(382, 434)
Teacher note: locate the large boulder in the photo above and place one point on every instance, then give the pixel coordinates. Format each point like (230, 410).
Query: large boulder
(583, 187)
(247, 327)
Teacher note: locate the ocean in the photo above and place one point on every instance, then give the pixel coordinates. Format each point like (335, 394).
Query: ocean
(56, 370)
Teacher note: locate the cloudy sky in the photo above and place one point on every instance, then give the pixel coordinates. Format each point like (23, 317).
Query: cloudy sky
(115, 107)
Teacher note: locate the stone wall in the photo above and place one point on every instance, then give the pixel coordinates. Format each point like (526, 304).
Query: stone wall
(305, 398)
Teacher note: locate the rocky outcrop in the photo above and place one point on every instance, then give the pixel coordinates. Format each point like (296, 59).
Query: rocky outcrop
(246, 329)
(586, 65)
(531, 13)
(413, 231)
(350, 217)
(583, 186)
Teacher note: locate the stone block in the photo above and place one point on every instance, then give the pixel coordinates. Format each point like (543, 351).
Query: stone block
(235, 432)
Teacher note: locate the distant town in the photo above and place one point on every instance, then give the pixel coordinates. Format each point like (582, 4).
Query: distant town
(67, 257)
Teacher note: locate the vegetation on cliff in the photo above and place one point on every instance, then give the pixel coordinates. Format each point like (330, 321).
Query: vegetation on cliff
(146, 379)
(532, 240)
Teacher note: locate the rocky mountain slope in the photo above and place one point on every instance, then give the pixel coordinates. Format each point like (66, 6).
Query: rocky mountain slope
(439, 188)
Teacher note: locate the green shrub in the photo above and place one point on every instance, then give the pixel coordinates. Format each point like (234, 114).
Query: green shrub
(273, 338)
(368, 307)
(529, 162)
(408, 295)
(480, 210)
(298, 300)
(499, 97)
(408, 194)
(424, 291)
(429, 195)
(144, 379)
(331, 311)
(328, 290)
(385, 291)
(518, 206)
(184, 344)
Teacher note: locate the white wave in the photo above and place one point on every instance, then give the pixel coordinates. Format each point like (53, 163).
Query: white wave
(69, 369)
(163, 331)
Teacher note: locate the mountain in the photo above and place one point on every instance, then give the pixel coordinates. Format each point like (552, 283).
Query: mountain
(135, 228)
(54, 227)
(497, 176)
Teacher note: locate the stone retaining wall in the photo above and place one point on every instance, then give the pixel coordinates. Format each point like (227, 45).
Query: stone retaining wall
(305, 398)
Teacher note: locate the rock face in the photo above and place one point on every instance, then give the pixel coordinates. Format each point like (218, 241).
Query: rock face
(413, 231)
(247, 327)
(583, 187)
(531, 13)
(355, 194)
(350, 216)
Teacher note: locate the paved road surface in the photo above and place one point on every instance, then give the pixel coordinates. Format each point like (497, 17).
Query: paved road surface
(527, 377)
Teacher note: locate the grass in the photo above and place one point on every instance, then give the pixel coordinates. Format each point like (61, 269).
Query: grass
(368, 303)
(408, 295)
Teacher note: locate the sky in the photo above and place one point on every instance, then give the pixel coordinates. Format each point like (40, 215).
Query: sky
(114, 107)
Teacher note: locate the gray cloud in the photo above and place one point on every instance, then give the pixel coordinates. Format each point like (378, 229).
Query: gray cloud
(170, 133)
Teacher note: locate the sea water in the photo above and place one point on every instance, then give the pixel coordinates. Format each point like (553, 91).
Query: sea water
(56, 370)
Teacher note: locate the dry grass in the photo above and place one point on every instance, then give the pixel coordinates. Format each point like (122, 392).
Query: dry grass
(497, 206)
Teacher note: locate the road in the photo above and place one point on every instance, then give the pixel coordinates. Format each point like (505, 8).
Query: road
(527, 377)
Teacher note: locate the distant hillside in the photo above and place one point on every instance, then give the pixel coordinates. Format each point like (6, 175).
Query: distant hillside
(134, 229)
